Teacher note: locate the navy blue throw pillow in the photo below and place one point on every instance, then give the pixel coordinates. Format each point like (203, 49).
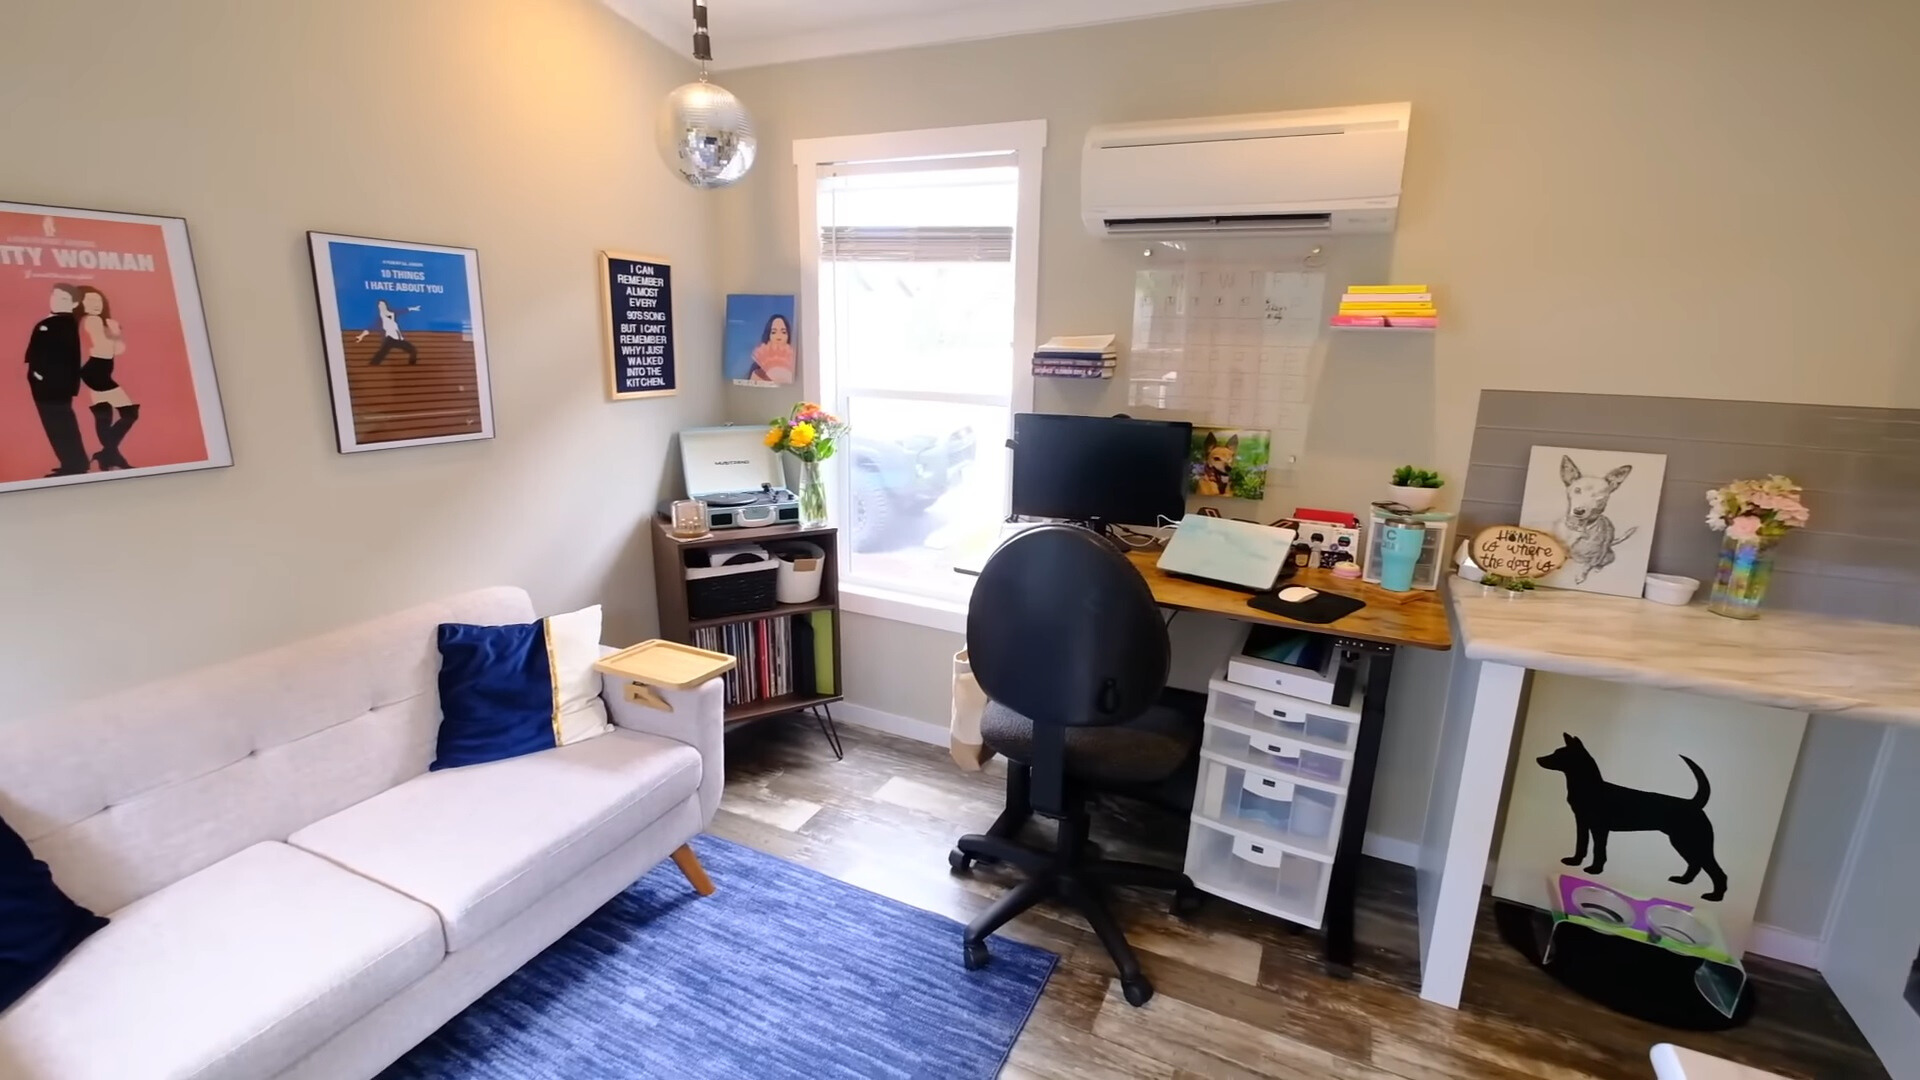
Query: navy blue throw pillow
(38, 924)
(496, 693)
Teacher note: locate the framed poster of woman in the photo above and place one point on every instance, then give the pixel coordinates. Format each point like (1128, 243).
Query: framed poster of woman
(104, 308)
(759, 344)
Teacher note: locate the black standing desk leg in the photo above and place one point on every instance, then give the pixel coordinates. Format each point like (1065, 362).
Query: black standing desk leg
(1353, 827)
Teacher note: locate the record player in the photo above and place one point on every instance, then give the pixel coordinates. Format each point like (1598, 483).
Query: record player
(740, 480)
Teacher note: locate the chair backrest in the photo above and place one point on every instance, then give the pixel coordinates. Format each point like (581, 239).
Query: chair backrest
(1064, 631)
(132, 792)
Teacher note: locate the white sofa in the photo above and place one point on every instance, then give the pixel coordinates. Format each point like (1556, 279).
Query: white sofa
(293, 894)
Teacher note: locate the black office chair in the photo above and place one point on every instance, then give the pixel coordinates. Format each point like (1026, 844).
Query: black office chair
(1072, 654)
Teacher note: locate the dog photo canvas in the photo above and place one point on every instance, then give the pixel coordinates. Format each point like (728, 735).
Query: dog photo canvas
(1228, 463)
(1602, 505)
(1656, 793)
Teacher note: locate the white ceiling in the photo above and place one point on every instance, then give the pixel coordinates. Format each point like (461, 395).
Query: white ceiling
(747, 33)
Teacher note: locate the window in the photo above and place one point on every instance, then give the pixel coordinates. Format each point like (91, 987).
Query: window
(920, 253)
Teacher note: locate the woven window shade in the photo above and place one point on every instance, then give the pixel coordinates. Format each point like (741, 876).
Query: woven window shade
(908, 243)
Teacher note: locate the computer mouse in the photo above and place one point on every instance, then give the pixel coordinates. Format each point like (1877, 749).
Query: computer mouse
(1298, 594)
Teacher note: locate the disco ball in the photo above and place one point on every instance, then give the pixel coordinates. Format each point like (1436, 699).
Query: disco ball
(706, 136)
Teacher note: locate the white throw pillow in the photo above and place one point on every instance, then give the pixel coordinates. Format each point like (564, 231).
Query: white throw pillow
(573, 646)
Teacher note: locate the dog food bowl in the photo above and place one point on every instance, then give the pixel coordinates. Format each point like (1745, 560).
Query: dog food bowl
(1670, 589)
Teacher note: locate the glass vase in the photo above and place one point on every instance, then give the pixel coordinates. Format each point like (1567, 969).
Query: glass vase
(813, 496)
(1740, 584)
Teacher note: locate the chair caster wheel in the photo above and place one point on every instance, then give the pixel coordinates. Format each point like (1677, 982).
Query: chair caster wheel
(1187, 901)
(1138, 991)
(976, 954)
(959, 861)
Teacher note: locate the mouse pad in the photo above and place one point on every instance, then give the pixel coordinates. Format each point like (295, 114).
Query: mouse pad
(1324, 608)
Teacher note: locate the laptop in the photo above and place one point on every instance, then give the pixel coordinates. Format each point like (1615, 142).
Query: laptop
(1220, 551)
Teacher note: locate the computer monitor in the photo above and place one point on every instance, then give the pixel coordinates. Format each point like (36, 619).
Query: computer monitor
(1113, 470)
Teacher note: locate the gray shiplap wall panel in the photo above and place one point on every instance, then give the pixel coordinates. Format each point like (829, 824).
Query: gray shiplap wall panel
(1861, 467)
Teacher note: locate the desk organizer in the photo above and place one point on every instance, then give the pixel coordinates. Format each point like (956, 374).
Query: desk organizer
(1274, 774)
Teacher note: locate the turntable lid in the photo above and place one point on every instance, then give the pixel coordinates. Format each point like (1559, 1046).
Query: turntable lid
(732, 458)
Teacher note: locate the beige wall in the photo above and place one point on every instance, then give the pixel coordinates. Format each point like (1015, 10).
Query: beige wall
(522, 128)
(1621, 196)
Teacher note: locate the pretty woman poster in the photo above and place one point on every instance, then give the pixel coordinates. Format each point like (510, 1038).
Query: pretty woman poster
(118, 376)
(760, 342)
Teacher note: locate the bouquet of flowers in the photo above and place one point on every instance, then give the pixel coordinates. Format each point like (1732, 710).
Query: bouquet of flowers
(1756, 509)
(808, 432)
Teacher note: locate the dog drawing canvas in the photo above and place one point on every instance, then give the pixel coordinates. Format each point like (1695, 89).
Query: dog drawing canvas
(1651, 792)
(1601, 504)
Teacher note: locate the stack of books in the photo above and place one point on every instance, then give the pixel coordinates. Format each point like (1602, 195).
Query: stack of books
(1087, 357)
(1404, 306)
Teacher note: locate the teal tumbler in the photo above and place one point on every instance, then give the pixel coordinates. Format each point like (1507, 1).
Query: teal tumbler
(1400, 544)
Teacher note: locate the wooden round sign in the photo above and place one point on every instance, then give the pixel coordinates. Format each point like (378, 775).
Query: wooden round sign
(1516, 551)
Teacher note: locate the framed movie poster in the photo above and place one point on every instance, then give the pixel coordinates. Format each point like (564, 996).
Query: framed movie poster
(406, 347)
(105, 309)
(636, 321)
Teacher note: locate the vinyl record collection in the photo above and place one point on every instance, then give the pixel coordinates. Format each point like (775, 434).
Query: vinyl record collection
(776, 657)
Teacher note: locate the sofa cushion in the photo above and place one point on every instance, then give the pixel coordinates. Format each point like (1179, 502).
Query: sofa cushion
(38, 923)
(481, 844)
(235, 971)
(519, 689)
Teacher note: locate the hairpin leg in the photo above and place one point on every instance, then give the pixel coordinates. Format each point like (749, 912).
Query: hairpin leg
(823, 715)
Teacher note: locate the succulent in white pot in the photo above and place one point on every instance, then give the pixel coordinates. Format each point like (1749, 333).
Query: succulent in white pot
(1415, 488)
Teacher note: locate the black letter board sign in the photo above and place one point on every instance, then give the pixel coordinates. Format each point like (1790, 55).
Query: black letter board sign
(638, 324)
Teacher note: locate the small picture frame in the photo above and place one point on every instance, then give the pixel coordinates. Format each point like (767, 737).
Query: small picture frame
(405, 343)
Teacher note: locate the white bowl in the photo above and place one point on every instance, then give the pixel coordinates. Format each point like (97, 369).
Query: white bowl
(1670, 589)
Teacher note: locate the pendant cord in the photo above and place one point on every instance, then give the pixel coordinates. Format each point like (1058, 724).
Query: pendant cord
(702, 44)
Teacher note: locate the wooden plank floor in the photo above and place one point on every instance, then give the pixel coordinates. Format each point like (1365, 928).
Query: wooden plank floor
(1238, 995)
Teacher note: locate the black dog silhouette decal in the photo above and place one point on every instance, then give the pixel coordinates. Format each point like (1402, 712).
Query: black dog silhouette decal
(1600, 808)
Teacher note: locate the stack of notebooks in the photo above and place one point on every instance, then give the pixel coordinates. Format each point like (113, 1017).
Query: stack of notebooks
(1086, 357)
(1405, 306)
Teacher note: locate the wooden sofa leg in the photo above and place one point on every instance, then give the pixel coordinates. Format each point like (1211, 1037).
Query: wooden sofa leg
(689, 864)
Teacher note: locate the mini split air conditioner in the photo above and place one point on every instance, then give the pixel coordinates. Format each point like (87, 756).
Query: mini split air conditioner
(1316, 171)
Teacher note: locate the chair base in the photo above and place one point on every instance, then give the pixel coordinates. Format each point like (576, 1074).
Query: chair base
(1067, 875)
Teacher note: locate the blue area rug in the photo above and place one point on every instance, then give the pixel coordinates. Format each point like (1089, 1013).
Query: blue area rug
(783, 972)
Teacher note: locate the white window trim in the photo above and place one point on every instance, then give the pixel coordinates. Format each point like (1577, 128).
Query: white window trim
(1027, 139)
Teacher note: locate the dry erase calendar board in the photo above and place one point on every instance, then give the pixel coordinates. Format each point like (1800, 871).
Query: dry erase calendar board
(638, 325)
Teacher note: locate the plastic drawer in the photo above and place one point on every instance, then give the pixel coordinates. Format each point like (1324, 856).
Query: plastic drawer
(1281, 756)
(1328, 726)
(1257, 874)
(1264, 805)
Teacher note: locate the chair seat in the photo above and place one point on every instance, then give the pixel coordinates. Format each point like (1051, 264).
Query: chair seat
(1146, 750)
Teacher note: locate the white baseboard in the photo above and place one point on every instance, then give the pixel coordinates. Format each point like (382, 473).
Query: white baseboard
(1786, 946)
(906, 727)
(1392, 849)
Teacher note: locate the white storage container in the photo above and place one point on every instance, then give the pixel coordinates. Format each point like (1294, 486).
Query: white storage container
(1257, 874)
(802, 568)
(1267, 806)
(1288, 759)
(1324, 681)
(1330, 727)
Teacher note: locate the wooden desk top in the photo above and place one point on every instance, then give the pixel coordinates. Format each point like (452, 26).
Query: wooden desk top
(1417, 618)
